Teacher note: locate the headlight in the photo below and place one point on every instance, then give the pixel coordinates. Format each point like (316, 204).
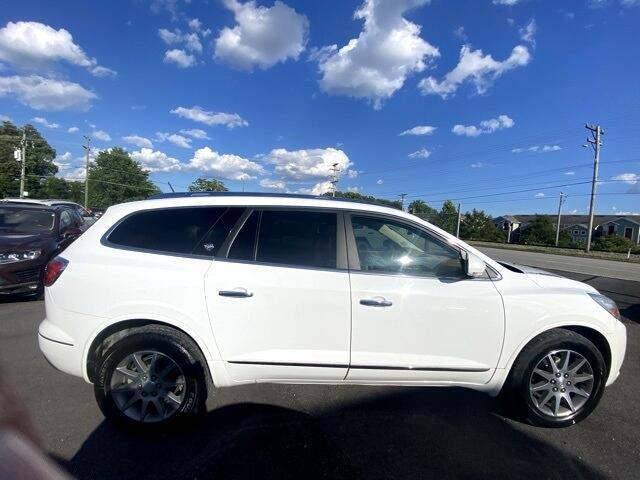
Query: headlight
(606, 303)
(13, 257)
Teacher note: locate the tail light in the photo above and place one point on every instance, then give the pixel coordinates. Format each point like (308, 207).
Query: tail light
(53, 270)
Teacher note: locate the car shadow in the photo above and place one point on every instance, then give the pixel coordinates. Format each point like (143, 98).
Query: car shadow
(400, 433)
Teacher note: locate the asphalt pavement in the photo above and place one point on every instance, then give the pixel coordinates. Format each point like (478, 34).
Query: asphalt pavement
(330, 432)
(584, 265)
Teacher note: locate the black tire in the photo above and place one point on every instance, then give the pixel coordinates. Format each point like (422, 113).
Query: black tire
(171, 344)
(518, 393)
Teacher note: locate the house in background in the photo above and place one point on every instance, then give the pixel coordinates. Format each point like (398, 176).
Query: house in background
(577, 232)
(627, 226)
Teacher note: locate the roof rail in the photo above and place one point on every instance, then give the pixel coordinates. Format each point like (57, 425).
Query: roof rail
(256, 194)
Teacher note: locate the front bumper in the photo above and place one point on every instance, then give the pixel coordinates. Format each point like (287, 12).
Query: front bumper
(21, 277)
(618, 343)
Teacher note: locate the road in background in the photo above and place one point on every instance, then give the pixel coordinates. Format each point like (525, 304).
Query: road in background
(338, 432)
(589, 266)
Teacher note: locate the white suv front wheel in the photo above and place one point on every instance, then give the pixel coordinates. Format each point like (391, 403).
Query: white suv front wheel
(151, 377)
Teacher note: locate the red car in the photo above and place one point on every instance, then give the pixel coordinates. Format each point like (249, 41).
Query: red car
(30, 235)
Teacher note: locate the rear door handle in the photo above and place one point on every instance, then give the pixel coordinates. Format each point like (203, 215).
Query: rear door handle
(237, 293)
(376, 302)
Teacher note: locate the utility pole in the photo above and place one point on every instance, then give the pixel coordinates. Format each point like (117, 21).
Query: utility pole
(458, 225)
(596, 143)
(562, 197)
(87, 150)
(334, 178)
(171, 187)
(402, 195)
(23, 159)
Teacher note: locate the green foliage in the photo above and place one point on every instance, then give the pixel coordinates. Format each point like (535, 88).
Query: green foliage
(420, 206)
(207, 185)
(477, 225)
(115, 177)
(367, 198)
(447, 218)
(54, 187)
(539, 232)
(615, 243)
(39, 161)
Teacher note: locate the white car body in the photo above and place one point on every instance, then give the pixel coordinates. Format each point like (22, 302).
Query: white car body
(306, 325)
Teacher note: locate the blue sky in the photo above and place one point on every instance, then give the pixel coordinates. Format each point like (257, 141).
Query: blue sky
(480, 101)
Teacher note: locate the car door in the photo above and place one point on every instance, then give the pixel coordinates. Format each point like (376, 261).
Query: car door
(416, 317)
(278, 296)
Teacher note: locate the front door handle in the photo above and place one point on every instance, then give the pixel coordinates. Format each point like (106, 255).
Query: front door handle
(237, 293)
(376, 302)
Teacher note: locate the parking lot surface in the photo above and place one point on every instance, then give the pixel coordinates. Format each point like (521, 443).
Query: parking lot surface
(333, 432)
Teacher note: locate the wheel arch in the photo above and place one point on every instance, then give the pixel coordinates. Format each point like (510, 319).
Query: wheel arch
(592, 334)
(121, 329)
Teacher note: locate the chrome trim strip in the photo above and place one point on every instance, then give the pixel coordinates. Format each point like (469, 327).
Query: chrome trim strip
(360, 367)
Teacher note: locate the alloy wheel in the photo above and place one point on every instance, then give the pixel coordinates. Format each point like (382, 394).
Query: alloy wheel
(561, 383)
(148, 386)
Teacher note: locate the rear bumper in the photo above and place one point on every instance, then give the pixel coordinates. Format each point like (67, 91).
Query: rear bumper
(59, 349)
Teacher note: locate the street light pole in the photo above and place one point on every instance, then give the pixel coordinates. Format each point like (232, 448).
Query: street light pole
(23, 159)
(562, 196)
(87, 149)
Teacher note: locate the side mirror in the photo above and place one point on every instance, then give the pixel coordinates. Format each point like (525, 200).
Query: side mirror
(474, 266)
(71, 232)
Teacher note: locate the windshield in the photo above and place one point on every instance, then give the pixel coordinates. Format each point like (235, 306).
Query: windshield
(16, 220)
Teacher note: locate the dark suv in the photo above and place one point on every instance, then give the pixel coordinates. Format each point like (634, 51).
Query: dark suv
(30, 235)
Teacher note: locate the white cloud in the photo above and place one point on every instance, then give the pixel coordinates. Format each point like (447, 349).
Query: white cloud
(570, 173)
(4, 118)
(156, 161)
(630, 3)
(196, 133)
(481, 70)
(138, 141)
(101, 135)
(197, 114)
(538, 149)
(177, 140)
(63, 159)
(379, 182)
(179, 57)
(539, 195)
(318, 189)
(232, 167)
(273, 184)
(44, 122)
(477, 165)
(486, 126)
(262, 36)
(631, 178)
(32, 44)
(309, 164)
(191, 41)
(420, 130)
(376, 64)
(528, 32)
(99, 71)
(460, 33)
(72, 129)
(353, 173)
(506, 2)
(422, 153)
(42, 93)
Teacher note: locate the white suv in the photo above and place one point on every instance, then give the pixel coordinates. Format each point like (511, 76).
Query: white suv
(164, 299)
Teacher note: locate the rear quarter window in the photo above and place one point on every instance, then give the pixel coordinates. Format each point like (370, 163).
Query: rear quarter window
(189, 230)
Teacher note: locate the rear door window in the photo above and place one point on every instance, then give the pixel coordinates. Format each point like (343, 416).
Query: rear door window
(192, 230)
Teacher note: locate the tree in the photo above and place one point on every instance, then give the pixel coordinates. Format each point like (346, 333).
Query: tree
(421, 207)
(205, 185)
(477, 225)
(539, 232)
(115, 177)
(447, 218)
(60, 188)
(366, 198)
(39, 163)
